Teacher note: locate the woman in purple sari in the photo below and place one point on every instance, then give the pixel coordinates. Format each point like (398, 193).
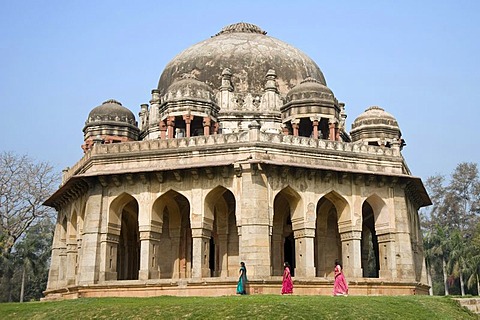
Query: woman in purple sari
(287, 283)
(340, 286)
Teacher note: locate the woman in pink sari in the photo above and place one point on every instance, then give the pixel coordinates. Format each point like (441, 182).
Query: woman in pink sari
(287, 283)
(340, 287)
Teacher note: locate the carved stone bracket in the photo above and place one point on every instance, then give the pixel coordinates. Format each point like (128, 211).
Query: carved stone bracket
(237, 168)
(160, 176)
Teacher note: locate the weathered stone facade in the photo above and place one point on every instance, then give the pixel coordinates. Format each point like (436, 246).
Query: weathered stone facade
(229, 166)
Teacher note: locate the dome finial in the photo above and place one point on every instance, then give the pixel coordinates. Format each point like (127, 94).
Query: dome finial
(241, 27)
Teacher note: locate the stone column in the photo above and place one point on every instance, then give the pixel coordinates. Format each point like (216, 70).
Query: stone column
(71, 263)
(154, 114)
(255, 229)
(223, 254)
(163, 129)
(304, 244)
(351, 253)
(109, 248)
(88, 272)
(277, 263)
(171, 126)
(331, 127)
(177, 271)
(53, 272)
(386, 243)
(188, 120)
(149, 245)
(201, 250)
(206, 126)
(295, 126)
(315, 127)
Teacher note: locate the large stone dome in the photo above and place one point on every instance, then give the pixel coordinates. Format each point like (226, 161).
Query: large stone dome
(249, 53)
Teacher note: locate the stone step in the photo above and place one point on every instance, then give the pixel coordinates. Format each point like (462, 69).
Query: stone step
(472, 304)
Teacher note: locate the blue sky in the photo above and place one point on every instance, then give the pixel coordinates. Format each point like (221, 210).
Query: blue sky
(419, 60)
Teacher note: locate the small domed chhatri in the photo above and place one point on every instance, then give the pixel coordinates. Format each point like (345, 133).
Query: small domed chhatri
(376, 127)
(110, 122)
(240, 155)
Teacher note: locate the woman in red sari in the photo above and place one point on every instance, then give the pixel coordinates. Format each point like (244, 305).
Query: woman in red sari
(340, 286)
(287, 283)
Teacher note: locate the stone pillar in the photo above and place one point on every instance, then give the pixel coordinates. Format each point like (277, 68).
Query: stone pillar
(315, 129)
(53, 272)
(223, 254)
(206, 126)
(149, 246)
(177, 270)
(163, 130)
(255, 228)
(386, 243)
(337, 132)
(331, 128)
(201, 251)
(295, 126)
(108, 248)
(225, 95)
(88, 272)
(304, 244)
(71, 261)
(143, 115)
(277, 263)
(171, 126)
(188, 120)
(153, 117)
(351, 253)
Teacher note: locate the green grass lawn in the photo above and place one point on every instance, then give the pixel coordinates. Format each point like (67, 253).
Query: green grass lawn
(241, 307)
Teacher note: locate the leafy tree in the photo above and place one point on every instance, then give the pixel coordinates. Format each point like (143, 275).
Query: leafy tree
(24, 185)
(450, 225)
(26, 270)
(25, 226)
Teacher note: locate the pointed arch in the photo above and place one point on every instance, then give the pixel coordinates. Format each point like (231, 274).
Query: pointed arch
(331, 208)
(287, 206)
(220, 206)
(171, 218)
(374, 216)
(123, 222)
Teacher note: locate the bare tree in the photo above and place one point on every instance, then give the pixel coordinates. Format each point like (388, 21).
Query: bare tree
(24, 185)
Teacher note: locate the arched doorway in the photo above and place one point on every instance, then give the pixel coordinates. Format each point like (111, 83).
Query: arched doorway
(171, 212)
(327, 245)
(224, 243)
(128, 250)
(282, 242)
(369, 243)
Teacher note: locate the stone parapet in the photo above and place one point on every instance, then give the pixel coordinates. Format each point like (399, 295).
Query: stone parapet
(316, 148)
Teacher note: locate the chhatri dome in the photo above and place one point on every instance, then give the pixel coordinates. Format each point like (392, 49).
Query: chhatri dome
(240, 155)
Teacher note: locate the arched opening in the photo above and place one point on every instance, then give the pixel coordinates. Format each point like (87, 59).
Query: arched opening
(323, 129)
(305, 128)
(369, 243)
(128, 250)
(327, 245)
(174, 256)
(224, 243)
(282, 241)
(195, 127)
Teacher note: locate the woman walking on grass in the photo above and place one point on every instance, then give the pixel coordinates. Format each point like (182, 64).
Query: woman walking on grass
(340, 286)
(287, 283)
(242, 280)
